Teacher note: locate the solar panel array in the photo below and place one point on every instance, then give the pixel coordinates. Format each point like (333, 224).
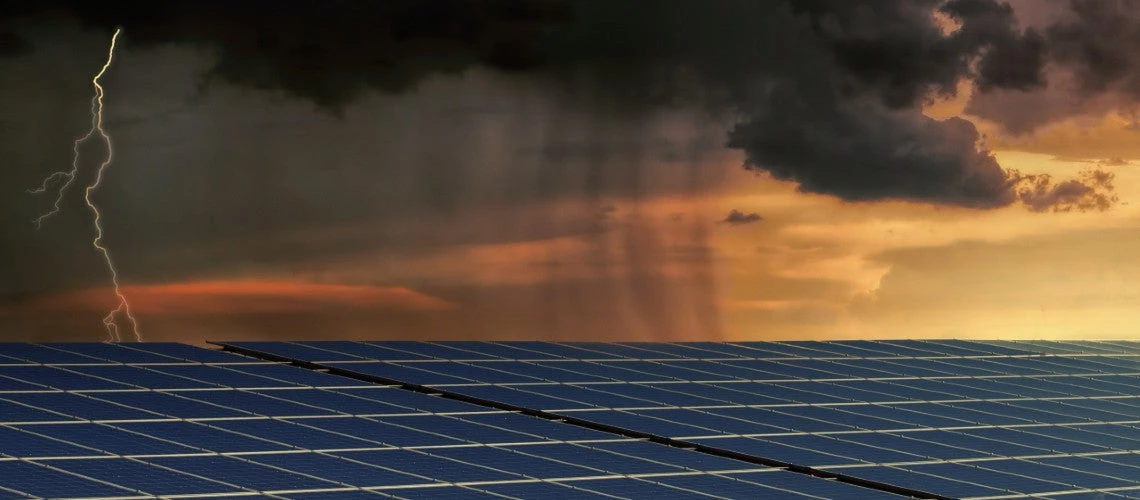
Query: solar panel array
(171, 420)
(957, 419)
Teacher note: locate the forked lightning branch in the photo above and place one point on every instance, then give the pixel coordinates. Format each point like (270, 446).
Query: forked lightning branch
(62, 180)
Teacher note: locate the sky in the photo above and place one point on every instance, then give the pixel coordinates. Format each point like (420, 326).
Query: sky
(576, 170)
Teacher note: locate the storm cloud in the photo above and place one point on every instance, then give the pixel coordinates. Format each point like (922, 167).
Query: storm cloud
(824, 93)
(1091, 63)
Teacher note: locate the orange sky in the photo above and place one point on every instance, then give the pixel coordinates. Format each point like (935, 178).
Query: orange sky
(477, 206)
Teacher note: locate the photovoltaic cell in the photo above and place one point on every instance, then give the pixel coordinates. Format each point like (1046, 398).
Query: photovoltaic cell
(242, 472)
(185, 353)
(35, 353)
(101, 438)
(38, 480)
(113, 353)
(143, 477)
(58, 378)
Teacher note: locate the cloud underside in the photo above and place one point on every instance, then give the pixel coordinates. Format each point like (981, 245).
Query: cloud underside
(221, 298)
(839, 111)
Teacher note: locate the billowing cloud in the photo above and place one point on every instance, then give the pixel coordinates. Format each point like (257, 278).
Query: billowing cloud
(1040, 195)
(838, 111)
(1092, 65)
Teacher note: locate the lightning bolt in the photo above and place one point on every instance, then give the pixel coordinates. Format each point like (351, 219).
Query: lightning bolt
(110, 321)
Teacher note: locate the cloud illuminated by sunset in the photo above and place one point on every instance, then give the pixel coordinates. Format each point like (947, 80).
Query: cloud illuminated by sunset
(242, 297)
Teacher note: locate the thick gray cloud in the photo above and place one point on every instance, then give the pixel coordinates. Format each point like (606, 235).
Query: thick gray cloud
(1100, 43)
(827, 93)
(1092, 61)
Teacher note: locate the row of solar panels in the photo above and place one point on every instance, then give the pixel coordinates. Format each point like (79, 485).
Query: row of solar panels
(156, 426)
(239, 425)
(467, 351)
(1007, 433)
(772, 414)
(82, 353)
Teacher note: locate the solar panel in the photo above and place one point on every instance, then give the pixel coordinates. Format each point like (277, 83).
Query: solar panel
(950, 417)
(164, 419)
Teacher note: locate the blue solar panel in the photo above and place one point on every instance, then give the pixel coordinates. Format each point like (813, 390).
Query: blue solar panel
(163, 404)
(562, 351)
(303, 351)
(141, 377)
(961, 402)
(59, 378)
(291, 374)
(348, 351)
(400, 372)
(424, 464)
(303, 434)
(79, 405)
(339, 469)
(551, 491)
(535, 426)
(634, 488)
(496, 350)
(242, 473)
(256, 403)
(529, 461)
(186, 352)
(351, 494)
(15, 413)
(12, 385)
(8, 360)
(20, 444)
(388, 434)
(144, 477)
(43, 354)
(105, 438)
(466, 371)
(202, 436)
(715, 349)
(888, 411)
(113, 353)
(412, 400)
(345, 403)
(554, 372)
(37, 480)
(673, 457)
(223, 376)
(432, 350)
(444, 493)
(451, 426)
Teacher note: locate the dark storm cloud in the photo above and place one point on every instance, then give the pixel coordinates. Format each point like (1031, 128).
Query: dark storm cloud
(329, 54)
(12, 44)
(1100, 44)
(827, 93)
(738, 218)
(1093, 61)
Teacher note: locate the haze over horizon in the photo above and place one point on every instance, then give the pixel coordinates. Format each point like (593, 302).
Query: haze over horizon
(579, 170)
